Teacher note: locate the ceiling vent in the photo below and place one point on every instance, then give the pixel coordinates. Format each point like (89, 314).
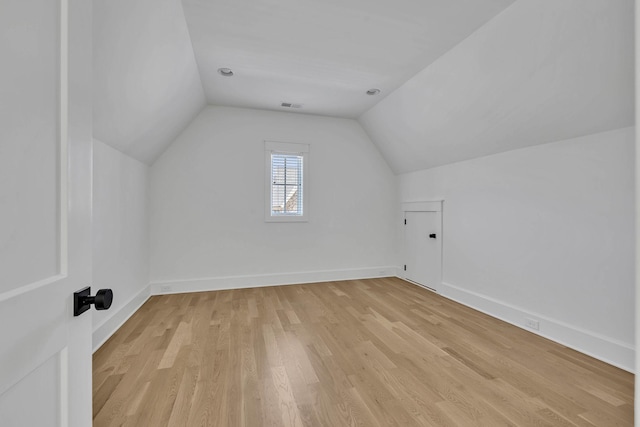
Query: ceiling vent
(290, 105)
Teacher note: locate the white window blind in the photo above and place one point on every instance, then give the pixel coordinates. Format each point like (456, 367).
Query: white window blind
(287, 184)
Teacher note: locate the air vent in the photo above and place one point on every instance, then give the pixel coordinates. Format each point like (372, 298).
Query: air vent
(290, 105)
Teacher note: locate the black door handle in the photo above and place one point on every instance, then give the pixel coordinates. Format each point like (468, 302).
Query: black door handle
(82, 300)
(432, 235)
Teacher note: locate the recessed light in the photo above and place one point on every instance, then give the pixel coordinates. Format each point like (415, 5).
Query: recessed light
(373, 92)
(227, 72)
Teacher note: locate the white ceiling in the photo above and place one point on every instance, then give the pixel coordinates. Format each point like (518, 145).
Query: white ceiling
(145, 78)
(459, 78)
(541, 71)
(323, 54)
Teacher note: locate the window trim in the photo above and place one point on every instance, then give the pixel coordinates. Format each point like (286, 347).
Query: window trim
(275, 147)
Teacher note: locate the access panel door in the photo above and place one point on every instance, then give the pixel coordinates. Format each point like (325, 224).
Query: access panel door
(423, 249)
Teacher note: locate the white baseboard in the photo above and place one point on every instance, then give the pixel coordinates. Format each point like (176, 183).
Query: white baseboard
(256, 281)
(613, 352)
(103, 332)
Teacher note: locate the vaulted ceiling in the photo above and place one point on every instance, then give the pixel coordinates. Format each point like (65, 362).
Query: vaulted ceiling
(458, 78)
(541, 71)
(323, 54)
(146, 85)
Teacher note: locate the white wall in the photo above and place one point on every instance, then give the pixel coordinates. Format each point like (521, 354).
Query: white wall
(120, 236)
(545, 232)
(207, 205)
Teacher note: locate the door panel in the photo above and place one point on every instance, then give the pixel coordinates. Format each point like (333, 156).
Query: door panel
(39, 389)
(45, 212)
(33, 322)
(423, 251)
(29, 141)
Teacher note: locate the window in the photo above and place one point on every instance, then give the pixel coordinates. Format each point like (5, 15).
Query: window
(286, 181)
(286, 184)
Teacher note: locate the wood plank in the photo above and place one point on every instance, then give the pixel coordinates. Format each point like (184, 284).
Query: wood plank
(348, 353)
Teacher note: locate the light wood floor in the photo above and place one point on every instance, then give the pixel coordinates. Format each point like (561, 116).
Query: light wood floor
(378, 352)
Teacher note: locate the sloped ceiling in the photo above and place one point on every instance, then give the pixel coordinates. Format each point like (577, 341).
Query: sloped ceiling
(323, 54)
(541, 71)
(459, 78)
(146, 82)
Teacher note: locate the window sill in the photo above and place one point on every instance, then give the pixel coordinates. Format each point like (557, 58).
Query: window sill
(286, 218)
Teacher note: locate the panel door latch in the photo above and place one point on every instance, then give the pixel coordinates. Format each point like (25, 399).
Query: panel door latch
(82, 300)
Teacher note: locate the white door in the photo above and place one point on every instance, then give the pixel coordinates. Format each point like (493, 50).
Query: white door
(45, 212)
(423, 249)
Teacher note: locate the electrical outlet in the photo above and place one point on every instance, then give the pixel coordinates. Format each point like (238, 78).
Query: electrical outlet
(165, 289)
(532, 324)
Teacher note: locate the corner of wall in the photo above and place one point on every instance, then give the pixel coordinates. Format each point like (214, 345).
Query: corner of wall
(613, 352)
(103, 332)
